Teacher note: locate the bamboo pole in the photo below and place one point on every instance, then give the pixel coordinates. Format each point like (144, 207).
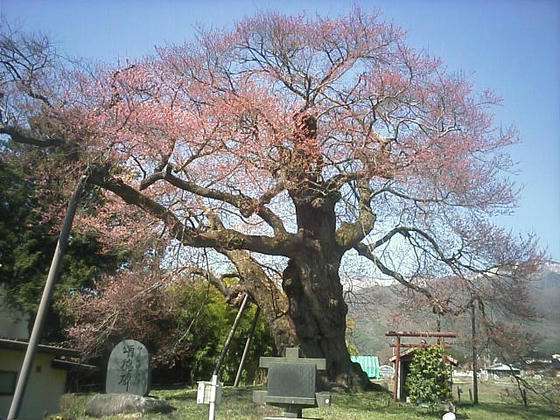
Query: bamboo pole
(215, 374)
(246, 349)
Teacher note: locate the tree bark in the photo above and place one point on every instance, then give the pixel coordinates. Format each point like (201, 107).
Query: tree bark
(318, 313)
(312, 284)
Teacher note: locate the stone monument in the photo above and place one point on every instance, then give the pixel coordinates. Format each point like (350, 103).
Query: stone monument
(292, 384)
(128, 370)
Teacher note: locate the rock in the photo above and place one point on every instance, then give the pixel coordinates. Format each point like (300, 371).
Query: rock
(110, 404)
(449, 416)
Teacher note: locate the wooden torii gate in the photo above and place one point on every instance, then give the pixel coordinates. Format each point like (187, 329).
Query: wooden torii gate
(441, 336)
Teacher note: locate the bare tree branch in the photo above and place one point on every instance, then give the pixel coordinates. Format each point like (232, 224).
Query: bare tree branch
(288, 245)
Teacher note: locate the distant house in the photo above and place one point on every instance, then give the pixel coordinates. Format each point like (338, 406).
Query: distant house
(547, 367)
(47, 381)
(404, 368)
(386, 371)
(501, 370)
(556, 365)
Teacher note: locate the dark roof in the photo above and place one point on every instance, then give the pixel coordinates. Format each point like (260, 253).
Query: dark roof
(70, 365)
(500, 367)
(42, 348)
(407, 354)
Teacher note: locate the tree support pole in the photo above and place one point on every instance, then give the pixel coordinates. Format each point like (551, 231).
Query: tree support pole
(246, 349)
(45, 301)
(212, 407)
(230, 335)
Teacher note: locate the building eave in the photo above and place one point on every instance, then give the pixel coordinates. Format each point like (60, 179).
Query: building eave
(6, 343)
(70, 365)
(408, 352)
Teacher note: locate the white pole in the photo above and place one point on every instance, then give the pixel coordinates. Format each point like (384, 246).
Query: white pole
(212, 409)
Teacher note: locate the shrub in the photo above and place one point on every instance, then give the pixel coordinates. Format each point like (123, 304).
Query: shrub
(429, 379)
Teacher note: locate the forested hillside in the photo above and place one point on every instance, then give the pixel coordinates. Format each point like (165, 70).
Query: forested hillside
(380, 308)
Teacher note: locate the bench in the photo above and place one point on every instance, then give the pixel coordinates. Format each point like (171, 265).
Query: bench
(292, 384)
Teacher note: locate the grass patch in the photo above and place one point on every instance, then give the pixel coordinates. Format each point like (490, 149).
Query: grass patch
(237, 405)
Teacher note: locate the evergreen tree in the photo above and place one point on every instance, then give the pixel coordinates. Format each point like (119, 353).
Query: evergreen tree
(27, 243)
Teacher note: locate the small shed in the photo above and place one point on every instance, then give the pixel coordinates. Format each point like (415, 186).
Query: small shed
(501, 370)
(404, 368)
(369, 364)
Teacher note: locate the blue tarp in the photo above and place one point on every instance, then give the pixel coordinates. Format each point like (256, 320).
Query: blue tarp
(369, 364)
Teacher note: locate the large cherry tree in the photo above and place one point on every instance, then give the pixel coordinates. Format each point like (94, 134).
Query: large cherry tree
(293, 147)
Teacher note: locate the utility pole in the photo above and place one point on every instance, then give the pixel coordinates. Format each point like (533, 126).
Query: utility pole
(45, 301)
(474, 354)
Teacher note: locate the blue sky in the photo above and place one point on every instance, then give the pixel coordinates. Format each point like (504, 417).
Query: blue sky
(511, 46)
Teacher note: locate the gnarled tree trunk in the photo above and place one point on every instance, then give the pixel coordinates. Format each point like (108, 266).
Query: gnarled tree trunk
(315, 294)
(318, 312)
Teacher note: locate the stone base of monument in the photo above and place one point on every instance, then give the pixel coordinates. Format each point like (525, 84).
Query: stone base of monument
(112, 404)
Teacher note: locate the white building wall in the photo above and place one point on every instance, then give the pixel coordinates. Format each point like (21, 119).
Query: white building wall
(13, 325)
(44, 387)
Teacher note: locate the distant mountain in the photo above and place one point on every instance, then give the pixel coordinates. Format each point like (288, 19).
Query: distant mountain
(374, 310)
(545, 292)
